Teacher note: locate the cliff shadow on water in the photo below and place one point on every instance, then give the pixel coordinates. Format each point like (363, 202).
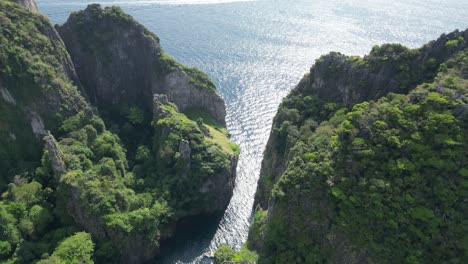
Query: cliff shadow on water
(193, 237)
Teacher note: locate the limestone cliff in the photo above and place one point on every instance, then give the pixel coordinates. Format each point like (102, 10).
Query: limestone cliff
(391, 68)
(121, 66)
(121, 63)
(361, 155)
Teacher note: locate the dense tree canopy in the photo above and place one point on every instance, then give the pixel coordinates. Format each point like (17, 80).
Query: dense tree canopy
(382, 180)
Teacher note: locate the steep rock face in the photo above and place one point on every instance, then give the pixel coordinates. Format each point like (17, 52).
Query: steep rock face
(121, 66)
(55, 156)
(121, 63)
(391, 68)
(349, 181)
(28, 4)
(180, 88)
(36, 86)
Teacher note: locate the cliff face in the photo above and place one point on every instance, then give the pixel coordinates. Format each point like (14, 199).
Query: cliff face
(121, 63)
(177, 165)
(391, 68)
(354, 173)
(121, 66)
(36, 87)
(28, 4)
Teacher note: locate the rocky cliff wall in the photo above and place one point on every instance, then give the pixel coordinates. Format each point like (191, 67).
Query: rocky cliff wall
(121, 63)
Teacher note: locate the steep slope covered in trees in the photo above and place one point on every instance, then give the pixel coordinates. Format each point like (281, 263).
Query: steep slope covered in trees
(36, 87)
(367, 160)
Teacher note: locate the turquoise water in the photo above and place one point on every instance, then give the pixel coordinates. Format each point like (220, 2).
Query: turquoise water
(256, 51)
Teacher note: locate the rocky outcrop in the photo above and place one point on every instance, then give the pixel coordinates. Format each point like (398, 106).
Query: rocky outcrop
(28, 4)
(178, 87)
(390, 68)
(56, 158)
(121, 63)
(208, 178)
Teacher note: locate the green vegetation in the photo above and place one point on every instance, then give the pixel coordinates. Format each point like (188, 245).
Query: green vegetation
(218, 133)
(226, 253)
(84, 181)
(100, 36)
(29, 227)
(199, 79)
(381, 181)
(75, 249)
(257, 228)
(176, 166)
(454, 42)
(95, 180)
(33, 73)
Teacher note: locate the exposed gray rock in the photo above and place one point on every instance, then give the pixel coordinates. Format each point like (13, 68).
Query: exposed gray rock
(185, 154)
(345, 81)
(12, 135)
(55, 155)
(30, 106)
(28, 4)
(7, 96)
(340, 79)
(132, 67)
(187, 96)
(37, 125)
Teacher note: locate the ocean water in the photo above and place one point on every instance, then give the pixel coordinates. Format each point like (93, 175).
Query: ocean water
(256, 51)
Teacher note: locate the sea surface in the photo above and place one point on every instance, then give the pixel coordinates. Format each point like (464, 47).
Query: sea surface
(256, 51)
